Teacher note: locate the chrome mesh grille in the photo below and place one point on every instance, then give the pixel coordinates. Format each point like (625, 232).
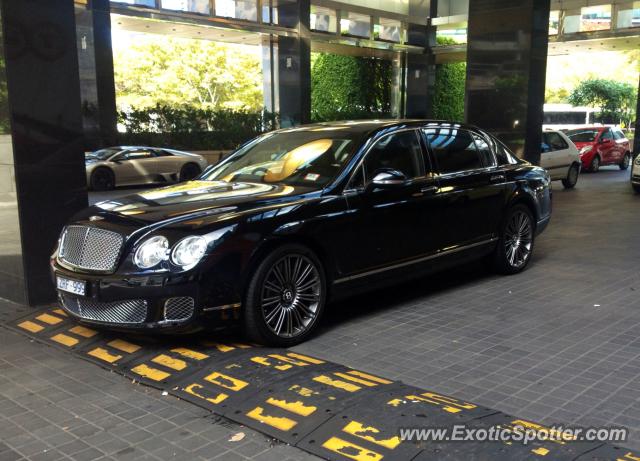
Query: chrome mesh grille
(178, 308)
(90, 248)
(130, 311)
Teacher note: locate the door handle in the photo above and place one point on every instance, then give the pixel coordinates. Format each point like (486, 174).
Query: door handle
(429, 189)
(497, 178)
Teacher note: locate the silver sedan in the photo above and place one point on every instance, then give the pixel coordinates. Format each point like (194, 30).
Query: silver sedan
(135, 165)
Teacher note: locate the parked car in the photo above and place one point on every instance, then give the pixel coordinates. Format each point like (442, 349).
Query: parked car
(560, 158)
(635, 175)
(134, 165)
(296, 216)
(601, 145)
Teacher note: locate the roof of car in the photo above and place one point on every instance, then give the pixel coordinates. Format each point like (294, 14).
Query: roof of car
(366, 126)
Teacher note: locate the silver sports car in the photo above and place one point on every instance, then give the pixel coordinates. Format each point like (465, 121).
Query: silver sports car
(134, 165)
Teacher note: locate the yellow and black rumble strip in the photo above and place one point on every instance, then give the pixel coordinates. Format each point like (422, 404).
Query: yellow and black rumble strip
(329, 410)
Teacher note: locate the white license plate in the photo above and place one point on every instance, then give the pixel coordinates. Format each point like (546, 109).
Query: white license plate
(72, 286)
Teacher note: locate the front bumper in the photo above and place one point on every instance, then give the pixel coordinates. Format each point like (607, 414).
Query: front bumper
(167, 302)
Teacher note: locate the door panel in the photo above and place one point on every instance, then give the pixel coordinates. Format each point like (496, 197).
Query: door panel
(472, 191)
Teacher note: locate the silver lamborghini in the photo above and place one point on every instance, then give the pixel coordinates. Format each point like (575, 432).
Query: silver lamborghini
(134, 165)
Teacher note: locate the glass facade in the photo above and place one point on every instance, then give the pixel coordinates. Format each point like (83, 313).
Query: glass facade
(323, 19)
(389, 30)
(629, 16)
(554, 22)
(237, 9)
(149, 3)
(595, 18)
(191, 6)
(389, 6)
(355, 24)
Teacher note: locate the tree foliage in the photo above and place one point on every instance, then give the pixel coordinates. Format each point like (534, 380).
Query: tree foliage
(348, 87)
(163, 70)
(616, 100)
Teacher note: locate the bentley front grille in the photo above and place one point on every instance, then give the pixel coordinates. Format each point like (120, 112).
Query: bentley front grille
(129, 311)
(90, 248)
(178, 308)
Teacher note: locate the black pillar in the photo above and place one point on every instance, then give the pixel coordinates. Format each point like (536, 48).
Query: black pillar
(97, 85)
(506, 71)
(636, 139)
(49, 184)
(421, 68)
(294, 64)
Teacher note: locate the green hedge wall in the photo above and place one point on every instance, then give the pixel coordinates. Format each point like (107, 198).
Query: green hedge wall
(448, 98)
(349, 87)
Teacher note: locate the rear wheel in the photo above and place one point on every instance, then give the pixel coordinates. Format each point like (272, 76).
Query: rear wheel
(189, 171)
(102, 179)
(515, 244)
(285, 297)
(626, 160)
(595, 164)
(572, 177)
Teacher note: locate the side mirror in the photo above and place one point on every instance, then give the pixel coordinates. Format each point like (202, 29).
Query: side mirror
(387, 179)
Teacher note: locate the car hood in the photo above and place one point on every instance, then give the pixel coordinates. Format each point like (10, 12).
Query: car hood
(580, 145)
(198, 202)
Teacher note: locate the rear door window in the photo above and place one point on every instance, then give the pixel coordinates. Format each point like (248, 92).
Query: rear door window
(552, 142)
(453, 149)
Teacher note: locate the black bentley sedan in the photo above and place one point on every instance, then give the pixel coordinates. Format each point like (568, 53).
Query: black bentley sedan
(295, 217)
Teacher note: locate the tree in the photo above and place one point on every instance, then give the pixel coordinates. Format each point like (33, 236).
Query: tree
(615, 100)
(153, 70)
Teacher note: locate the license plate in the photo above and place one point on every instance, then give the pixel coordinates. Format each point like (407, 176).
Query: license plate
(72, 286)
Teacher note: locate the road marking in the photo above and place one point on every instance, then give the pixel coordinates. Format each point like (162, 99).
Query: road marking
(50, 319)
(104, 355)
(219, 398)
(351, 450)
(279, 422)
(31, 326)
(306, 358)
(83, 331)
(151, 373)
(226, 381)
(124, 346)
(365, 433)
(60, 312)
(540, 451)
(65, 340)
(345, 386)
(369, 377)
(356, 380)
(188, 353)
(299, 408)
(170, 362)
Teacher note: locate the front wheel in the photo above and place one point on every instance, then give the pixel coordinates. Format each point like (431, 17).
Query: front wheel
(189, 172)
(626, 161)
(595, 164)
(572, 177)
(515, 243)
(285, 297)
(102, 179)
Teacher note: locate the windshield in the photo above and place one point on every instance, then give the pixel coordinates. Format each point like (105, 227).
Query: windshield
(104, 154)
(310, 157)
(582, 135)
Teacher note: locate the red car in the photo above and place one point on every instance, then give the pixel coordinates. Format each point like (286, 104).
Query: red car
(601, 145)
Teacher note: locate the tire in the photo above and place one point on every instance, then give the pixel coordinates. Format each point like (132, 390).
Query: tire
(281, 308)
(626, 161)
(189, 171)
(595, 164)
(511, 256)
(572, 177)
(636, 188)
(102, 179)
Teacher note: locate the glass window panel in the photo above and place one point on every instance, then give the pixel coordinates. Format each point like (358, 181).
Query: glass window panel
(237, 9)
(595, 18)
(355, 24)
(389, 30)
(391, 6)
(554, 22)
(323, 19)
(629, 16)
(192, 6)
(453, 149)
(151, 3)
(451, 36)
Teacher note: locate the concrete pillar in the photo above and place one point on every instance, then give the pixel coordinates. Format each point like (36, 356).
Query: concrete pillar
(506, 71)
(47, 159)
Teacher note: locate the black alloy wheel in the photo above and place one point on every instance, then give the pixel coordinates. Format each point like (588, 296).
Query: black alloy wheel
(626, 161)
(102, 179)
(286, 297)
(515, 245)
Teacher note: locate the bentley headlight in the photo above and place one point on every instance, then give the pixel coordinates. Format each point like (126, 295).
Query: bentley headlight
(152, 252)
(586, 149)
(189, 251)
